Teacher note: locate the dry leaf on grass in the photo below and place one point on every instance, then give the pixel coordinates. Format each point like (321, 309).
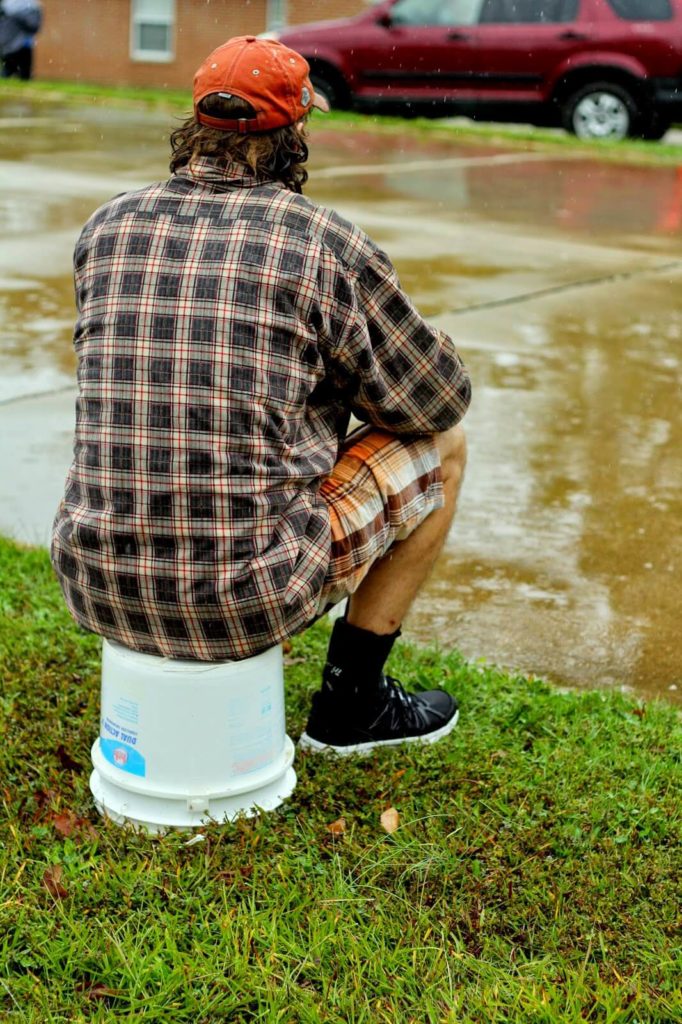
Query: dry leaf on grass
(236, 876)
(52, 880)
(390, 820)
(65, 823)
(337, 828)
(43, 798)
(66, 761)
(68, 823)
(96, 990)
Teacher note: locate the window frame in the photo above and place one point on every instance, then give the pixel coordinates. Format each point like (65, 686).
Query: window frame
(137, 18)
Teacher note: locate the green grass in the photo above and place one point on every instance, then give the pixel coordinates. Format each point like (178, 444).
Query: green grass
(521, 136)
(535, 875)
(104, 94)
(509, 135)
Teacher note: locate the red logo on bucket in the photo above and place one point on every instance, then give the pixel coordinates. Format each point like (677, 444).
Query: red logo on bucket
(120, 755)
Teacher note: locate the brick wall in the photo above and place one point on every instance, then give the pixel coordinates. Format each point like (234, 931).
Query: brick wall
(89, 40)
(300, 11)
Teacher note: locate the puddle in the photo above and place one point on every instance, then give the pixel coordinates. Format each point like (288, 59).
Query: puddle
(37, 322)
(566, 557)
(567, 553)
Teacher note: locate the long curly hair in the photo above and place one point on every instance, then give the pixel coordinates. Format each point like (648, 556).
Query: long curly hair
(278, 155)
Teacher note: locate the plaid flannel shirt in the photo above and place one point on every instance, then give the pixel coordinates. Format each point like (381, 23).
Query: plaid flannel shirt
(227, 328)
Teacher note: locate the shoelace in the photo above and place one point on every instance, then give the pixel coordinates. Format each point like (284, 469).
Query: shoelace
(404, 709)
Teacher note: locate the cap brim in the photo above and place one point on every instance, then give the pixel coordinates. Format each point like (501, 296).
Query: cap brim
(321, 102)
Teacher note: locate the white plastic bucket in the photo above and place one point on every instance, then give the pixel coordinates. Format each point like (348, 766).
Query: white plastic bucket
(182, 742)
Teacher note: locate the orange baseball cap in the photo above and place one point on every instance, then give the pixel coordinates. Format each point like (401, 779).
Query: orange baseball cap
(272, 78)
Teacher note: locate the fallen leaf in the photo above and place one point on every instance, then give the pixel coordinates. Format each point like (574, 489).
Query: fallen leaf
(52, 880)
(44, 797)
(399, 774)
(390, 820)
(96, 990)
(68, 823)
(239, 874)
(66, 761)
(65, 823)
(337, 828)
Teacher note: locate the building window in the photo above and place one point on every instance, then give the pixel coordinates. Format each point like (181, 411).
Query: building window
(152, 30)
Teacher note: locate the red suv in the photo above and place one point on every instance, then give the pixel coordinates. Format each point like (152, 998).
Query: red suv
(601, 68)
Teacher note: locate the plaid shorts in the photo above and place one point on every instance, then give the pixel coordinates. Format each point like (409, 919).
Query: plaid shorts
(381, 488)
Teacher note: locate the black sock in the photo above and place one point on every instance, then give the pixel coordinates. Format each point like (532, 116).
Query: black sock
(356, 659)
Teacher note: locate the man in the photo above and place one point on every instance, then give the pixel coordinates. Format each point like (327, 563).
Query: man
(227, 329)
(20, 21)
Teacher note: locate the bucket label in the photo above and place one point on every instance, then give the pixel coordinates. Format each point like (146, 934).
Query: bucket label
(118, 743)
(256, 731)
(127, 710)
(111, 730)
(123, 756)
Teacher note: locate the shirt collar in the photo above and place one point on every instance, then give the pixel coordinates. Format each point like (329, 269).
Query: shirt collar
(206, 171)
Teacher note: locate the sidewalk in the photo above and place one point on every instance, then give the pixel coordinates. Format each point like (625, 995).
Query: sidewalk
(37, 437)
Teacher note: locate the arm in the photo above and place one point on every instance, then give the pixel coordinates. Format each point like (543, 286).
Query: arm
(26, 15)
(390, 367)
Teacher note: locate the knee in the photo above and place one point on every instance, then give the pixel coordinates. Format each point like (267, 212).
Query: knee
(452, 445)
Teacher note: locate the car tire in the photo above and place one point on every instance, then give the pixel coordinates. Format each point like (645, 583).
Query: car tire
(601, 110)
(325, 86)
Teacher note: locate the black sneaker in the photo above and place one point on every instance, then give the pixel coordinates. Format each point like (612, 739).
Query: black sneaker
(336, 723)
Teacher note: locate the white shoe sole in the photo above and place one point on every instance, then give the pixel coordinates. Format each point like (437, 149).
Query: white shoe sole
(306, 742)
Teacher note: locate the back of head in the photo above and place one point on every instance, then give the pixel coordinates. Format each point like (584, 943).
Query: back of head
(277, 155)
(251, 100)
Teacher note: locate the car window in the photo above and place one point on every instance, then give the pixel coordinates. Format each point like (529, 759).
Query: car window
(528, 11)
(436, 12)
(643, 10)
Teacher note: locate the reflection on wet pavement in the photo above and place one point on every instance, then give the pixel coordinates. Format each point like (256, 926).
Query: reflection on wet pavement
(559, 278)
(35, 324)
(570, 519)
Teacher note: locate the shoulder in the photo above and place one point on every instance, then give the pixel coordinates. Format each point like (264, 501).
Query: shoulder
(99, 233)
(121, 204)
(346, 242)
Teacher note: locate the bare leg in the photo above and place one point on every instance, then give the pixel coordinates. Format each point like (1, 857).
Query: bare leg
(358, 707)
(385, 595)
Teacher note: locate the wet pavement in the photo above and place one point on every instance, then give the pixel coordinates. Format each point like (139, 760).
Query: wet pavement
(558, 276)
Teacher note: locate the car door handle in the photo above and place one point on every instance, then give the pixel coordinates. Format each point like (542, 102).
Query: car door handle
(458, 37)
(573, 36)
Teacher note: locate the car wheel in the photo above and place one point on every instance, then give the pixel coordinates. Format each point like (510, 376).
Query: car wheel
(323, 86)
(601, 110)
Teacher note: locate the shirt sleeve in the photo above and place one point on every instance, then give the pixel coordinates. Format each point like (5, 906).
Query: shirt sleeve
(390, 367)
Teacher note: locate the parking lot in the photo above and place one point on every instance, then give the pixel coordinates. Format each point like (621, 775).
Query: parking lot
(559, 277)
